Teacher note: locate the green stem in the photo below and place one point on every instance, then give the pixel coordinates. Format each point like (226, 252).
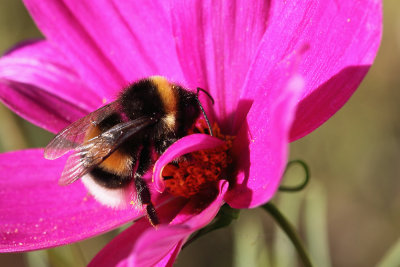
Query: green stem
(290, 232)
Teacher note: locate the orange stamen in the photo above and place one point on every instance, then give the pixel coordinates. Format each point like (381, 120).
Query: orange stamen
(201, 169)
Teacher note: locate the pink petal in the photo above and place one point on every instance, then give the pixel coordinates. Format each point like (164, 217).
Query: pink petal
(122, 251)
(343, 37)
(158, 246)
(154, 246)
(204, 216)
(187, 144)
(344, 43)
(110, 43)
(169, 259)
(117, 252)
(36, 213)
(216, 42)
(261, 146)
(37, 82)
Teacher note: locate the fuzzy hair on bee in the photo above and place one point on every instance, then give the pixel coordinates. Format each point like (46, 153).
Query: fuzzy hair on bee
(114, 146)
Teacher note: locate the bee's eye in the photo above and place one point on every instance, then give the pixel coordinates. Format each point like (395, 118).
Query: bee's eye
(192, 112)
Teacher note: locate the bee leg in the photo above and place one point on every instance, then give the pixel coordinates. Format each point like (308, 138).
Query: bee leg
(142, 189)
(145, 198)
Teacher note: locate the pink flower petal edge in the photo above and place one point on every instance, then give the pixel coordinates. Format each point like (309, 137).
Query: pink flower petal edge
(187, 144)
(37, 83)
(37, 213)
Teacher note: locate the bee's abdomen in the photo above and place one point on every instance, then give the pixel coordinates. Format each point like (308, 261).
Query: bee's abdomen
(108, 179)
(116, 170)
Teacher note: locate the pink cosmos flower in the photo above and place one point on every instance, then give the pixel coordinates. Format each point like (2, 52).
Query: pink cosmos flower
(276, 69)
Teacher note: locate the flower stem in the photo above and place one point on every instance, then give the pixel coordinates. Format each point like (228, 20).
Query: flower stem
(290, 232)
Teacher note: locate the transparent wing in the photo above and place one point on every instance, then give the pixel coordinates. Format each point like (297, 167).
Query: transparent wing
(73, 135)
(94, 151)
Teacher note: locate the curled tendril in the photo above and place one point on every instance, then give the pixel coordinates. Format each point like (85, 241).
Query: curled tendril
(301, 186)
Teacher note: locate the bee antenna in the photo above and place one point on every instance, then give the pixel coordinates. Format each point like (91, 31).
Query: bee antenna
(202, 109)
(207, 93)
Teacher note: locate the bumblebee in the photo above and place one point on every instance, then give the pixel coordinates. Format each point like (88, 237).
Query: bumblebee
(114, 146)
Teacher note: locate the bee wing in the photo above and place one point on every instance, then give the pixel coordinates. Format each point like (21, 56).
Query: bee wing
(74, 134)
(94, 151)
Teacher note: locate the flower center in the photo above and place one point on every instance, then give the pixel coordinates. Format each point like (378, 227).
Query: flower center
(202, 169)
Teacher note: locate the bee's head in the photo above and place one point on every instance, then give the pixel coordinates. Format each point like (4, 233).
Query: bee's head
(193, 107)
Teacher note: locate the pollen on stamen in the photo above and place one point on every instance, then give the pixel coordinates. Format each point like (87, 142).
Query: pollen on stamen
(201, 169)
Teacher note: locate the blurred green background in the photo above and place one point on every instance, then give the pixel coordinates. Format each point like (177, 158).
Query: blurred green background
(349, 215)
